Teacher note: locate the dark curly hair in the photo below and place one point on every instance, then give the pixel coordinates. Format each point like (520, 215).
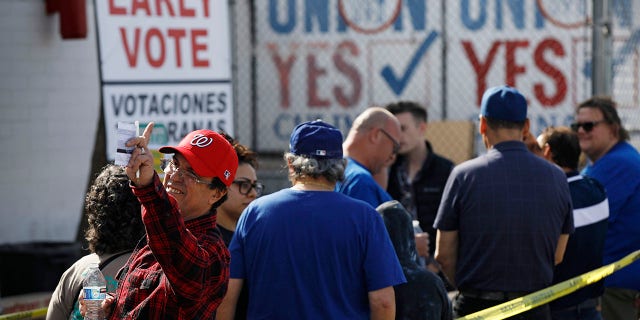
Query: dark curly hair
(113, 212)
(245, 155)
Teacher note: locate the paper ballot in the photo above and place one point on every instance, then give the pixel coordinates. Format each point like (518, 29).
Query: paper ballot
(126, 131)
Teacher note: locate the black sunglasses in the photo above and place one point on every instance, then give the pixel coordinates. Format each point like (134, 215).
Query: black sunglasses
(586, 126)
(245, 186)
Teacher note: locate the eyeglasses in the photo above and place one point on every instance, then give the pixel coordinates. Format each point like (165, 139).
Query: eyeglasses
(172, 169)
(587, 126)
(245, 186)
(396, 144)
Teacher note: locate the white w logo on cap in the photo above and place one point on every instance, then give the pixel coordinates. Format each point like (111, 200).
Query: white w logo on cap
(200, 140)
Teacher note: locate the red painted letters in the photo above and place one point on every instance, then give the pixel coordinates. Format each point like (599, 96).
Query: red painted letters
(513, 69)
(156, 38)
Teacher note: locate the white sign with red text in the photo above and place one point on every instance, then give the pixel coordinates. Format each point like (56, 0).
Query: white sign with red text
(166, 61)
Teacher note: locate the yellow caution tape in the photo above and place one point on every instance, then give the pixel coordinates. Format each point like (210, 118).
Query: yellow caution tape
(501, 311)
(556, 291)
(35, 313)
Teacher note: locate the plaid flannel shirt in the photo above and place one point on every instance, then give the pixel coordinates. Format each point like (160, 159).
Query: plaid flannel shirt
(181, 272)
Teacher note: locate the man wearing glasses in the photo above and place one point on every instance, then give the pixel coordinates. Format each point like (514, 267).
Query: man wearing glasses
(616, 164)
(180, 269)
(244, 189)
(418, 175)
(371, 145)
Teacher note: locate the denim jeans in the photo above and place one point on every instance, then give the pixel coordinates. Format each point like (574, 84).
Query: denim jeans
(618, 303)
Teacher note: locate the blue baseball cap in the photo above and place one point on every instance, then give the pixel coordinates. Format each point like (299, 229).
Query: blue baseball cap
(316, 139)
(504, 103)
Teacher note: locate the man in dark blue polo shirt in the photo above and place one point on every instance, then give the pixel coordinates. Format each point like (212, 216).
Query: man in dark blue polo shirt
(505, 217)
(584, 251)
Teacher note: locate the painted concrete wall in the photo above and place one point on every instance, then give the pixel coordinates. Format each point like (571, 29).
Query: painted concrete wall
(49, 102)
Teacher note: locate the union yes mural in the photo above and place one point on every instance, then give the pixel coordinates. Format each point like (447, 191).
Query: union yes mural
(331, 59)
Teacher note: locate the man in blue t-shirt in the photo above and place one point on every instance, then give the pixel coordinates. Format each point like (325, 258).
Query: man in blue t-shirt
(616, 164)
(560, 145)
(370, 147)
(308, 252)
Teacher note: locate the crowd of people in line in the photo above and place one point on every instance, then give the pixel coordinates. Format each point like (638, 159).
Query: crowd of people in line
(375, 225)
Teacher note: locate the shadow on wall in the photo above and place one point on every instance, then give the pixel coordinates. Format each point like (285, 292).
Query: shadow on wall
(35, 267)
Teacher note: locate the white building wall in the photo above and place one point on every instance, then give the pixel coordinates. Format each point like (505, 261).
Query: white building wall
(49, 103)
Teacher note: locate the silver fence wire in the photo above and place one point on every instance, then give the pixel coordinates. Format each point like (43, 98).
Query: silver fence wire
(301, 60)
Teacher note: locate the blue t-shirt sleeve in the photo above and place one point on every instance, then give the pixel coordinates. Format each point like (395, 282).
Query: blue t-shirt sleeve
(236, 249)
(382, 268)
(619, 178)
(366, 189)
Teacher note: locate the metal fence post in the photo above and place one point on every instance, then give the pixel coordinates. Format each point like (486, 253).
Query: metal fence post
(601, 74)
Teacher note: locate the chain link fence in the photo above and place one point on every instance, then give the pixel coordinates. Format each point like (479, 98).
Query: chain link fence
(626, 64)
(298, 60)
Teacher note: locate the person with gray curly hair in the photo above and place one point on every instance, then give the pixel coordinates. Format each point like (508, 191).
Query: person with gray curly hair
(115, 227)
(308, 252)
(304, 169)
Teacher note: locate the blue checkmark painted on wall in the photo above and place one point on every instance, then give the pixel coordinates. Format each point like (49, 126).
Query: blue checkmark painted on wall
(399, 84)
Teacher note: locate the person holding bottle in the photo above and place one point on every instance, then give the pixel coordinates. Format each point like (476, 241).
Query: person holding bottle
(115, 226)
(181, 269)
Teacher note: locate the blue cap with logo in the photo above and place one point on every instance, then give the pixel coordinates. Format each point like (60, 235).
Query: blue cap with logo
(504, 103)
(316, 139)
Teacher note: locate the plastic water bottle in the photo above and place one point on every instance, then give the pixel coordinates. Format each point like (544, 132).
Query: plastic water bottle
(416, 229)
(95, 291)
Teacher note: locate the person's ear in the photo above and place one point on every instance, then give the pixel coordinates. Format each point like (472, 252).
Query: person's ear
(525, 128)
(216, 195)
(546, 151)
(290, 167)
(422, 127)
(615, 130)
(482, 128)
(374, 136)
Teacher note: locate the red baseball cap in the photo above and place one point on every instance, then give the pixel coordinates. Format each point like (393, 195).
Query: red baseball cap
(209, 154)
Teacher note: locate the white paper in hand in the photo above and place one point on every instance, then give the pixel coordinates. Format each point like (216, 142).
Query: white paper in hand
(126, 131)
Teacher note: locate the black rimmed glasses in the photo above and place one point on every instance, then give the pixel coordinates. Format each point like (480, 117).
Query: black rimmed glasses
(171, 168)
(396, 144)
(245, 186)
(586, 126)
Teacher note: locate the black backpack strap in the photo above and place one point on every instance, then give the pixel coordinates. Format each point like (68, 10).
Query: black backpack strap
(105, 263)
(102, 265)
